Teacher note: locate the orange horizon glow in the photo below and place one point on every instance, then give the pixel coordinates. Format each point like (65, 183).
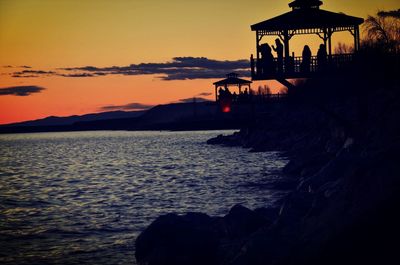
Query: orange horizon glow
(48, 35)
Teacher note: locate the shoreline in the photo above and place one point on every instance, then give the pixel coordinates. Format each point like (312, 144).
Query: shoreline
(346, 183)
(144, 130)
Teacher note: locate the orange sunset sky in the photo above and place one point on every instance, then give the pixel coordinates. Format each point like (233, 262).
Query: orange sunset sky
(46, 46)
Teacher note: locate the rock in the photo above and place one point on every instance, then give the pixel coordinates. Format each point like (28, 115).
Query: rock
(297, 204)
(195, 238)
(344, 208)
(306, 163)
(236, 139)
(217, 140)
(178, 240)
(285, 183)
(241, 222)
(269, 214)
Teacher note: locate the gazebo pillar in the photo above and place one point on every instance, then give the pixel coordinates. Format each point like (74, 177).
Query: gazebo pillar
(356, 38)
(330, 45)
(286, 43)
(216, 93)
(258, 47)
(325, 37)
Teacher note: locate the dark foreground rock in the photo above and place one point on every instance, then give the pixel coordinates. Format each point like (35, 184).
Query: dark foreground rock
(196, 238)
(173, 239)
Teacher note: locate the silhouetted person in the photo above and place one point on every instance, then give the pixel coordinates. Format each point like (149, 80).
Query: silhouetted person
(240, 97)
(279, 52)
(322, 58)
(306, 60)
(221, 93)
(267, 59)
(227, 92)
(246, 95)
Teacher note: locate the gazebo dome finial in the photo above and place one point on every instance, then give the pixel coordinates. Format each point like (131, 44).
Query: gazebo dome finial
(232, 75)
(301, 4)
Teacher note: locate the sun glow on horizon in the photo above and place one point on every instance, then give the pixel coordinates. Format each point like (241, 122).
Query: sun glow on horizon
(46, 35)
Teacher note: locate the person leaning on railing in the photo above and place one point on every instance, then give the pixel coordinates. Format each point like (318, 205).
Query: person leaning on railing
(279, 52)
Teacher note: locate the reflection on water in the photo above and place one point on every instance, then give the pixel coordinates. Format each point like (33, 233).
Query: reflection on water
(83, 197)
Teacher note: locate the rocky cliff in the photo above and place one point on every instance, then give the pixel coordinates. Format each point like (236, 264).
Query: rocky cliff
(343, 139)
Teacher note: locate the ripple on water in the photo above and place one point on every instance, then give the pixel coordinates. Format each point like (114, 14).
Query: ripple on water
(80, 197)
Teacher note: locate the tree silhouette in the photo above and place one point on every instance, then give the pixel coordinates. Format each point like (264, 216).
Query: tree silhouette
(343, 48)
(383, 30)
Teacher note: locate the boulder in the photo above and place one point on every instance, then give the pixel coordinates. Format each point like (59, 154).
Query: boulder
(220, 139)
(241, 222)
(178, 240)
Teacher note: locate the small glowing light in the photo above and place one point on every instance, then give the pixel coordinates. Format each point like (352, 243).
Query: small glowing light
(226, 109)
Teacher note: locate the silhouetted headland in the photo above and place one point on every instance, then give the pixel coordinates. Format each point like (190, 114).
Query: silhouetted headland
(175, 116)
(342, 138)
(340, 129)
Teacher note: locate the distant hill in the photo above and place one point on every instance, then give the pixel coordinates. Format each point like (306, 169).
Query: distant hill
(69, 120)
(161, 117)
(175, 116)
(179, 111)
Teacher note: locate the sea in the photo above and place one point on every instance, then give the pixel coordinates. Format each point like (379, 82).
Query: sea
(84, 197)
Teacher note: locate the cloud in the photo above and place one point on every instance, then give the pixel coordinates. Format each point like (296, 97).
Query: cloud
(23, 76)
(205, 94)
(78, 75)
(32, 73)
(38, 72)
(20, 90)
(130, 106)
(99, 73)
(193, 99)
(21, 66)
(180, 68)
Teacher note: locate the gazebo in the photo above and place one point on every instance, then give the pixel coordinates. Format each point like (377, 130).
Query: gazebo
(306, 17)
(224, 97)
(231, 79)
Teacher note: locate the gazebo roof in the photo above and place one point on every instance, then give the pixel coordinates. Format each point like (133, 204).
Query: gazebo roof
(232, 79)
(307, 18)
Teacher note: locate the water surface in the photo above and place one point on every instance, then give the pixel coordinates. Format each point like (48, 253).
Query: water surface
(83, 197)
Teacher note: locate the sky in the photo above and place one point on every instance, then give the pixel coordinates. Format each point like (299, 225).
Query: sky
(67, 57)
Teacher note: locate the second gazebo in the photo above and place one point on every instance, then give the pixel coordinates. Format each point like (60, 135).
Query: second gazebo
(224, 96)
(231, 79)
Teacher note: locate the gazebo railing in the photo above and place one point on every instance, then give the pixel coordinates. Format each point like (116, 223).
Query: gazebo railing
(296, 67)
